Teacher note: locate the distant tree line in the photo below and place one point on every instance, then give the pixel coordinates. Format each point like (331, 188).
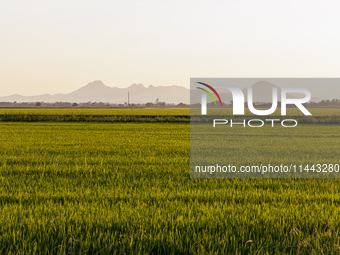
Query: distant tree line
(88, 105)
(325, 103)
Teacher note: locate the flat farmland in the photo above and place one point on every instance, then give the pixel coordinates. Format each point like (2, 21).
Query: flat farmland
(125, 188)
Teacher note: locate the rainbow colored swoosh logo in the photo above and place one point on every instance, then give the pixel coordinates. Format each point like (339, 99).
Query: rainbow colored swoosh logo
(212, 89)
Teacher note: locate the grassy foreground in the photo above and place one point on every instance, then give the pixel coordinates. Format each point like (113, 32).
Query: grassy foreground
(124, 188)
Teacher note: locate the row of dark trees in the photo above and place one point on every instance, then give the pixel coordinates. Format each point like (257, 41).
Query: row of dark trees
(85, 105)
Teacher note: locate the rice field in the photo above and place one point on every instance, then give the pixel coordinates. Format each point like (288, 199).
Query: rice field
(125, 188)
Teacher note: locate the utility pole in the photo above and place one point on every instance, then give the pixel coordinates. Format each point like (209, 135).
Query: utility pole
(128, 99)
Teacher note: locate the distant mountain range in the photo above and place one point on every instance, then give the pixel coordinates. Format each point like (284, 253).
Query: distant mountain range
(97, 91)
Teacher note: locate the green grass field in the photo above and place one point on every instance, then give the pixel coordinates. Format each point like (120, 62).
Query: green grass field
(125, 188)
(304, 145)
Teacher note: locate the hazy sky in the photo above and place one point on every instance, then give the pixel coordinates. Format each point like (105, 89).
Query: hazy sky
(59, 46)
